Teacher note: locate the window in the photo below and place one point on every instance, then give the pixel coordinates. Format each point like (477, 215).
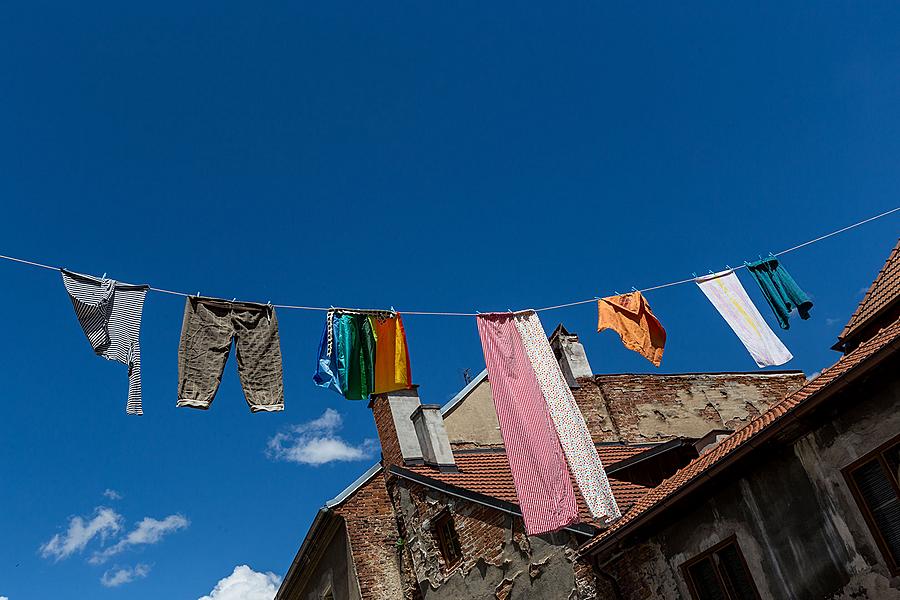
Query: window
(875, 482)
(720, 573)
(445, 532)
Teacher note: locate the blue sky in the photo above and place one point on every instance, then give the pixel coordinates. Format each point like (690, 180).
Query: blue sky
(461, 156)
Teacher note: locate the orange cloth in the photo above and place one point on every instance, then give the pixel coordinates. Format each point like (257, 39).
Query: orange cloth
(629, 315)
(392, 370)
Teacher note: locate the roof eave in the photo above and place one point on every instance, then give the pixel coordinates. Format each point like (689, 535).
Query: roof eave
(584, 529)
(291, 578)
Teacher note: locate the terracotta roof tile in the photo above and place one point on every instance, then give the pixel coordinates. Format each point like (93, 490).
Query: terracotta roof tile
(696, 468)
(883, 291)
(487, 472)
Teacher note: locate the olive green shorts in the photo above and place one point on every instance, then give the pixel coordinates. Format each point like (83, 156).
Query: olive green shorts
(209, 326)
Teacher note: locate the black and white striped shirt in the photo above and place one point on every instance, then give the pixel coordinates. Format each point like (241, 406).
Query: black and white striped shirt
(110, 315)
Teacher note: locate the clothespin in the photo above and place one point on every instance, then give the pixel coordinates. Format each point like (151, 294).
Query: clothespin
(234, 299)
(197, 295)
(617, 292)
(694, 274)
(104, 275)
(633, 289)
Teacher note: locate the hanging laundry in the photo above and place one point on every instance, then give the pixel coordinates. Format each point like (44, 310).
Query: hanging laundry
(110, 316)
(356, 345)
(574, 436)
(210, 326)
(363, 353)
(781, 291)
(366, 356)
(727, 294)
(630, 316)
(392, 370)
(536, 460)
(327, 369)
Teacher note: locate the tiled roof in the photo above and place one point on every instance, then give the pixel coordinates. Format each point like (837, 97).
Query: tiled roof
(487, 472)
(656, 497)
(883, 291)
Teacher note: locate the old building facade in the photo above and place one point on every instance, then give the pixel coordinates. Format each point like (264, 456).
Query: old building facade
(731, 485)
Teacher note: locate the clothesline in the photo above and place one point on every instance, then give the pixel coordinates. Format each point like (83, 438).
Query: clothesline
(472, 314)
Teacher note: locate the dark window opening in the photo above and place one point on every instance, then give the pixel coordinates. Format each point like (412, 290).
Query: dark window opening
(720, 573)
(875, 482)
(448, 542)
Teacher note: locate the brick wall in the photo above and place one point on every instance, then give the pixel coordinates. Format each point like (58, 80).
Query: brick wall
(372, 530)
(593, 406)
(644, 408)
(387, 433)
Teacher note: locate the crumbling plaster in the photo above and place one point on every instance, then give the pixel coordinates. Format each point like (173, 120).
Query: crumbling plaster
(796, 523)
(499, 560)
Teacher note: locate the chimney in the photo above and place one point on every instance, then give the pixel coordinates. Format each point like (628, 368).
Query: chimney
(436, 451)
(571, 356)
(411, 433)
(392, 411)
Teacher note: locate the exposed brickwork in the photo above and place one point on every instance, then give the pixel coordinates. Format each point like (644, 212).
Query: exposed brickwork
(496, 553)
(641, 573)
(481, 530)
(387, 433)
(594, 408)
(659, 407)
(372, 529)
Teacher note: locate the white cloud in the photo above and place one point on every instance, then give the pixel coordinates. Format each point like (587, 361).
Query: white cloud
(148, 531)
(105, 522)
(316, 442)
(813, 375)
(112, 494)
(3, 598)
(117, 577)
(245, 584)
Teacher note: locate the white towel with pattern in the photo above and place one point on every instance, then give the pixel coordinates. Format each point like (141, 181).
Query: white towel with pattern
(577, 444)
(730, 298)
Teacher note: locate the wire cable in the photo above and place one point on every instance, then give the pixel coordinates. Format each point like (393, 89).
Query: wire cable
(473, 314)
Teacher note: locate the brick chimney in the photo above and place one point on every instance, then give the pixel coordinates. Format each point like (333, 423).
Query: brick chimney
(411, 433)
(570, 353)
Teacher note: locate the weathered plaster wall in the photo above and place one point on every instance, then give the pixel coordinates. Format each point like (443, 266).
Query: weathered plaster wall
(473, 422)
(795, 520)
(658, 407)
(499, 560)
(334, 571)
(640, 408)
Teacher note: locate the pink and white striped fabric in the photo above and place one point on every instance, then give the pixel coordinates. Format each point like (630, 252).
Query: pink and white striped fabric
(536, 459)
(576, 441)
